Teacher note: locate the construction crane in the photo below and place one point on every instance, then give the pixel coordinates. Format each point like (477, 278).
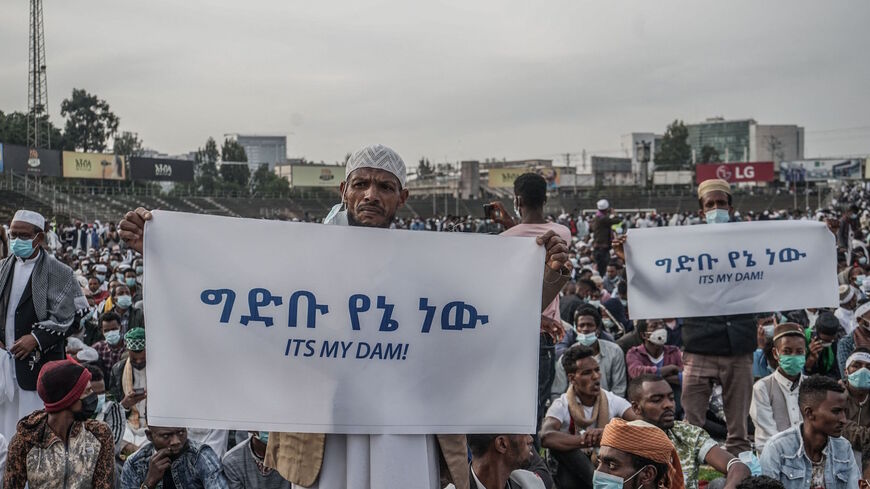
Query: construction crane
(38, 133)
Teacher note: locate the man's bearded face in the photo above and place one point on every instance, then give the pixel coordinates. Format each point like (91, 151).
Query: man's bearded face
(373, 197)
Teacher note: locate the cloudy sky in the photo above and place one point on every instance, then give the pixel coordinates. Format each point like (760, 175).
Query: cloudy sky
(454, 79)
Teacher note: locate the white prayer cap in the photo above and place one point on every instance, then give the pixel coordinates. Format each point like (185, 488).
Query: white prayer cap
(30, 217)
(603, 205)
(87, 354)
(380, 157)
(101, 268)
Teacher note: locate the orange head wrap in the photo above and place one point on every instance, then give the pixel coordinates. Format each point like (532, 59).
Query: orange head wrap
(645, 440)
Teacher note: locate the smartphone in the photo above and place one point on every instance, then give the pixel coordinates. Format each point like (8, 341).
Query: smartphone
(139, 391)
(488, 210)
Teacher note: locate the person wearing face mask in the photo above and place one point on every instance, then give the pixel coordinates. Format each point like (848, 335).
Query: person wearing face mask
(850, 228)
(129, 386)
(858, 338)
(39, 298)
(132, 284)
(602, 235)
(637, 455)
(62, 442)
(774, 405)
(653, 356)
(107, 410)
(857, 385)
(611, 360)
(122, 301)
(846, 312)
(112, 347)
(244, 466)
(822, 346)
(716, 349)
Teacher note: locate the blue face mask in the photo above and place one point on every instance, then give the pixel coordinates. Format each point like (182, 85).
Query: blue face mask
(717, 216)
(594, 303)
(263, 436)
(860, 379)
(101, 277)
(750, 460)
(22, 248)
(131, 282)
(600, 480)
(587, 339)
(139, 270)
(113, 337)
(101, 401)
(124, 301)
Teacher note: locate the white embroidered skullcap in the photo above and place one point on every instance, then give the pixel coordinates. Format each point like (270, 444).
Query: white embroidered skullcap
(380, 157)
(30, 217)
(603, 205)
(859, 356)
(87, 354)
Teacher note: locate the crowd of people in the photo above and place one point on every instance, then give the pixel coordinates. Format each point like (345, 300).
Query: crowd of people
(763, 400)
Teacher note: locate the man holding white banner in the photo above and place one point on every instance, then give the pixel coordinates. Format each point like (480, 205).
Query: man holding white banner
(718, 278)
(389, 454)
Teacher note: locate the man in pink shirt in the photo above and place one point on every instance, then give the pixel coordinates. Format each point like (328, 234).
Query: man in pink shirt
(530, 195)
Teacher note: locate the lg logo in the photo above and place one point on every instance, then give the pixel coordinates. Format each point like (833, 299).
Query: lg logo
(740, 173)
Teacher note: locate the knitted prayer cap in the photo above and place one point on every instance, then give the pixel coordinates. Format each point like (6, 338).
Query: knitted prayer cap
(135, 339)
(61, 383)
(713, 185)
(787, 329)
(30, 217)
(645, 440)
(379, 157)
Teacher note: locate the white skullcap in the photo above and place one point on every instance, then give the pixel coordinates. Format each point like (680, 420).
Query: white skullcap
(859, 356)
(87, 354)
(74, 343)
(603, 205)
(380, 157)
(30, 217)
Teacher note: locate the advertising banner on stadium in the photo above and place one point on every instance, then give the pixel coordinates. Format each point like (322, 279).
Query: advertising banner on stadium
(316, 175)
(160, 169)
(504, 177)
(734, 268)
(1, 157)
(761, 171)
(377, 351)
(97, 166)
(26, 161)
(820, 170)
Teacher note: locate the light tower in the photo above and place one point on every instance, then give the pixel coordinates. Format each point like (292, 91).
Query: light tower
(38, 134)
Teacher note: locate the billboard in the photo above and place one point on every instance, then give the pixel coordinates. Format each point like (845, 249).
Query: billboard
(316, 175)
(94, 165)
(820, 170)
(39, 162)
(759, 171)
(1, 157)
(160, 169)
(504, 177)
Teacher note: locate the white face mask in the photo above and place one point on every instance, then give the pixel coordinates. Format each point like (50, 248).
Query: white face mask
(658, 337)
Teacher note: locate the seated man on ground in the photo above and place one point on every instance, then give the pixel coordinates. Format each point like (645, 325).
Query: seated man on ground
(639, 452)
(652, 399)
(171, 460)
(575, 421)
(588, 326)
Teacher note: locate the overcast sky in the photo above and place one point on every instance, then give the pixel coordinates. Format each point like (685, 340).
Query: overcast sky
(451, 80)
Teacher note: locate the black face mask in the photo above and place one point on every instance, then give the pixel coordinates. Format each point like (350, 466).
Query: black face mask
(89, 408)
(137, 366)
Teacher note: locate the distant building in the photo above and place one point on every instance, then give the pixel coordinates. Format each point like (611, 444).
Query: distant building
(747, 140)
(262, 149)
(612, 171)
(631, 145)
(516, 164)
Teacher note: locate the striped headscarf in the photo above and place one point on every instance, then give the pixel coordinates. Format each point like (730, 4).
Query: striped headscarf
(645, 440)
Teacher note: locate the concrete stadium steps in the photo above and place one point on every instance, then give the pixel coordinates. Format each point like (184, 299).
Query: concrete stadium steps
(10, 202)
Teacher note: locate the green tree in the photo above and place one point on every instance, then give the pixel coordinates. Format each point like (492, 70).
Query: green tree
(674, 153)
(236, 175)
(425, 168)
(90, 122)
(127, 144)
(205, 162)
(13, 130)
(266, 182)
(233, 151)
(709, 154)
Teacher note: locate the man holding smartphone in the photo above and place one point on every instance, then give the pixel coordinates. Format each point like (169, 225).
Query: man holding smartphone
(128, 387)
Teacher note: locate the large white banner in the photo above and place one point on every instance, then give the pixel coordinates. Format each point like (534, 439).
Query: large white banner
(267, 325)
(734, 268)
